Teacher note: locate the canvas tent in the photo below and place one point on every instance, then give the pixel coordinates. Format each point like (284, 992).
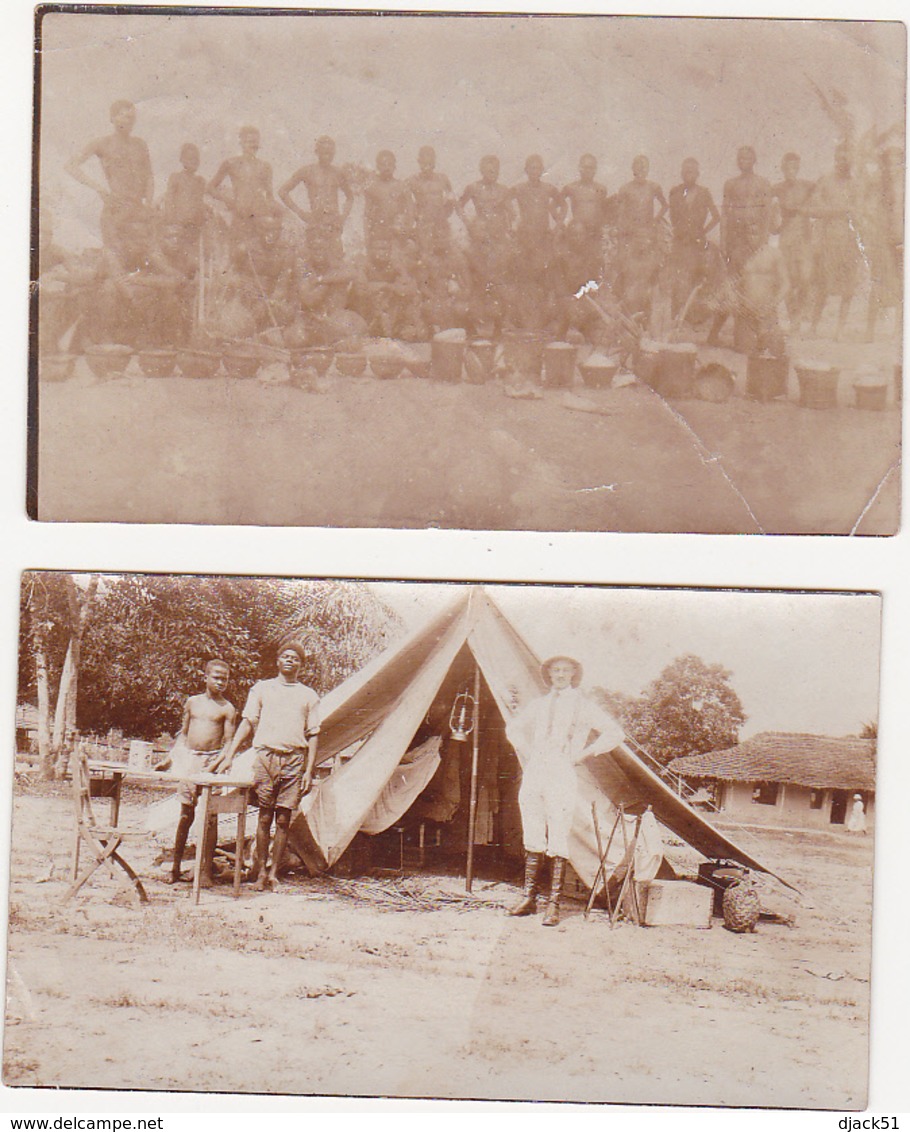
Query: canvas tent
(371, 720)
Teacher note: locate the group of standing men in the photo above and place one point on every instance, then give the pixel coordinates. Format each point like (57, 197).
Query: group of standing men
(532, 254)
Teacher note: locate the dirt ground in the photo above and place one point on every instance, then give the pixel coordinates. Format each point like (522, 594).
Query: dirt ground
(414, 453)
(374, 987)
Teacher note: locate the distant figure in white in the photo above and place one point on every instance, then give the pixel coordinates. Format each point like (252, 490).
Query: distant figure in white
(856, 822)
(552, 735)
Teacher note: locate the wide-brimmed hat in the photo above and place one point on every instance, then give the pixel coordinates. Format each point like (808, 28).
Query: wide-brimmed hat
(547, 665)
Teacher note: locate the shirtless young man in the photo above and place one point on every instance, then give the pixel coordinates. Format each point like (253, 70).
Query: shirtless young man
(540, 206)
(388, 206)
(127, 167)
(792, 195)
(838, 254)
(587, 198)
(638, 253)
(208, 726)
(745, 223)
(325, 182)
(433, 202)
(693, 214)
(490, 236)
(184, 204)
(250, 197)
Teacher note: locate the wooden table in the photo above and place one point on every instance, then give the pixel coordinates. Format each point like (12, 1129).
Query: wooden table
(213, 801)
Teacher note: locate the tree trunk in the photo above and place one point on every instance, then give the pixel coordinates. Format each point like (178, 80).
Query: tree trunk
(44, 703)
(80, 604)
(63, 691)
(65, 714)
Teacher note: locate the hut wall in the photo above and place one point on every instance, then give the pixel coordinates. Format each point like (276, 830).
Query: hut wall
(792, 808)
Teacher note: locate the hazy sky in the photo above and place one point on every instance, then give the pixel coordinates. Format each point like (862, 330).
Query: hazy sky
(513, 86)
(799, 662)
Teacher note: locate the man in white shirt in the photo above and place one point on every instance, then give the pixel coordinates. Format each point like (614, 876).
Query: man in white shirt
(282, 718)
(552, 735)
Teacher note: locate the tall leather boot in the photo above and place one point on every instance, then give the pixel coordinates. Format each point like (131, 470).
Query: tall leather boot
(528, 903)
(551, 919)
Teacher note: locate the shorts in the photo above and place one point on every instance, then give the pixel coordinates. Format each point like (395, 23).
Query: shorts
(200, 762)
(278, 778)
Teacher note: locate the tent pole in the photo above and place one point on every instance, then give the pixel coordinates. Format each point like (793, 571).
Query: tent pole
(475, 756)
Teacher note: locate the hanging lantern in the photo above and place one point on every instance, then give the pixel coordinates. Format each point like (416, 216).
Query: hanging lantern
(463, 717)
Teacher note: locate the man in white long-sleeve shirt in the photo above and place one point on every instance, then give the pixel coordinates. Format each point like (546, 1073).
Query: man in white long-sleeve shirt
(552, 735)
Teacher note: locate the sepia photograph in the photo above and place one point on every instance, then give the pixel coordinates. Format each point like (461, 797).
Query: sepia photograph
(278, 835)
(552, 273)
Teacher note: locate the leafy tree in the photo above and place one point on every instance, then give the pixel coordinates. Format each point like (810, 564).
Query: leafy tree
(55, 612)
(689, 709)
(153, 634)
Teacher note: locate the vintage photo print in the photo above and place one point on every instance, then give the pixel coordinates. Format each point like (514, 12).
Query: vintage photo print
(289, 836)
(478, 272)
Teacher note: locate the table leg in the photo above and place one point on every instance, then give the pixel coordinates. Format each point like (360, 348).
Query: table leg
(197, 870)
(115, 799)
(241, 842)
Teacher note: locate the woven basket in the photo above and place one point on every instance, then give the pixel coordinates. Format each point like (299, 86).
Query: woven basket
(742, 907)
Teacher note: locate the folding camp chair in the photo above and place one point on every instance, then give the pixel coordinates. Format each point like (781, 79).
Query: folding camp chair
(102, 842)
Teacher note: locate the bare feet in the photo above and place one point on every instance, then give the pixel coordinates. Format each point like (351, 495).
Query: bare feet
(174, 878)
(264, 884)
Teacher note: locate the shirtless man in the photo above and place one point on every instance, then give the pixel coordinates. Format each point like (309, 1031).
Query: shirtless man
(490, 235)
(385, 294)
(142, 293)
(693, 214)
(587, 199)
(792, 196)
(745, 224)
(323, 286)
(127, 167)
(324, 183)
(639, 249)
(184, 199)
(746, 220)
(838, 252)
(539, 206)
(763, 284)
(388, 206)
(433, 202)
(207, 728)
(250, 197)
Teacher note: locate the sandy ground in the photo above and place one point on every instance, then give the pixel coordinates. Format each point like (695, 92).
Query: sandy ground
(413, 453)
(331, 987)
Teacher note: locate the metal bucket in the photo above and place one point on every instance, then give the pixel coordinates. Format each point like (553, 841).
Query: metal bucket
(559, 364)
(871, 396)
(675, 373)
(817, 386)
(484, 355)
(766, 378)
(446, 359)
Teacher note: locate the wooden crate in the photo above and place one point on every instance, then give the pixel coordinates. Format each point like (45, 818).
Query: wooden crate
(676, 903)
